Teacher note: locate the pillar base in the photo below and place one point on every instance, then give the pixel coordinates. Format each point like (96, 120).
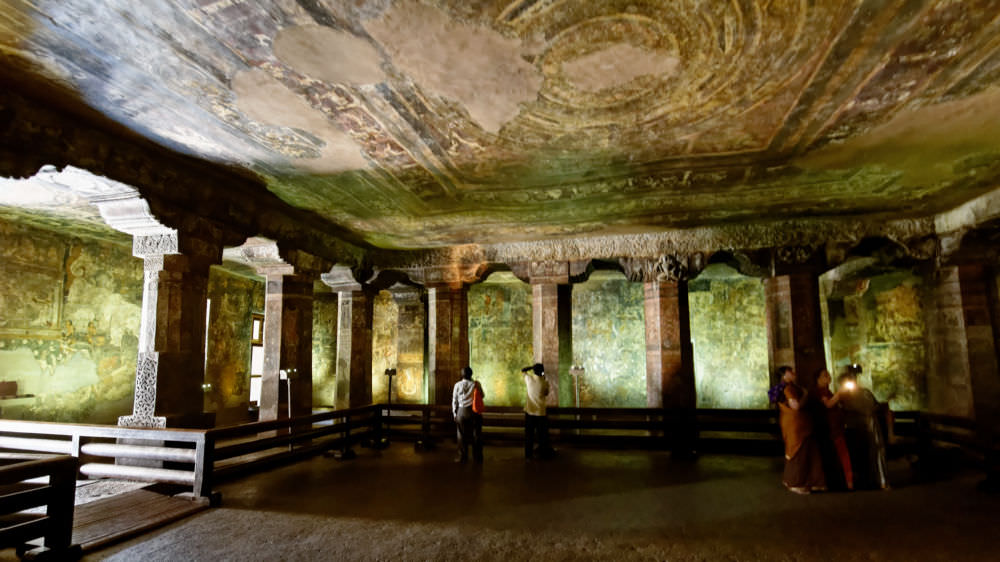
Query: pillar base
(143, 422)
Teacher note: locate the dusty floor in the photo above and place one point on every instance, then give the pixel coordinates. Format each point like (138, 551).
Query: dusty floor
(583, 505)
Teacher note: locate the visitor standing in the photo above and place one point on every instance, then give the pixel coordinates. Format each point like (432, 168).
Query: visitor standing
(468, 422)
(803, 464)
(536, 421)
(864, 432)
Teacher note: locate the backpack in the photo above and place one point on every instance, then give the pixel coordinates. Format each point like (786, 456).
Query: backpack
(477, 400)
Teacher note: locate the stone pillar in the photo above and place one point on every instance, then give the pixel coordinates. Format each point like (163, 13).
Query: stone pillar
(669, 353)
(794, 325)
(448, 339)
(288, 311)
(546, 335)
(286, 380)
(552, 320)
(354, 348)
(410, 337)
(966, 373)
(355, 315)
(170, 367)
(949, 383)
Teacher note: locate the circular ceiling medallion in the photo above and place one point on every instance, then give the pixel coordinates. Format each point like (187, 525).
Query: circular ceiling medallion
(608, 61)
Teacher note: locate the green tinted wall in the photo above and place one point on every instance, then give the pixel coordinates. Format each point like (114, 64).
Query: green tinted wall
(609, 341)
(69, 319)
(500, 338)
(729, 332)
(233, 299)
(878, 322)
(324, 350)
(384, 333)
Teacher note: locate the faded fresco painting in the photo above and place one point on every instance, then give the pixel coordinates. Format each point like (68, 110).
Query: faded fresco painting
(384, 335)
(729, 333)
(878, 321)
(500, 336)
(609, 342)
(70, 315)
(227, 367)
(324, 356)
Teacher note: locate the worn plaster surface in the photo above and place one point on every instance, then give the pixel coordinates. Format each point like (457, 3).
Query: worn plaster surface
(443, 122)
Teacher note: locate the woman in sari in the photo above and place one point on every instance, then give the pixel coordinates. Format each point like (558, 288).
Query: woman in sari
(835, 422)
(863, 432)
(803, 464)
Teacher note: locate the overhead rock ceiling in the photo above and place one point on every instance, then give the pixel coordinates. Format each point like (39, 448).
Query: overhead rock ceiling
(425, 124)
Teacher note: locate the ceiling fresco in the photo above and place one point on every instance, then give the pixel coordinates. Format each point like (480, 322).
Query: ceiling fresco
(419, 124)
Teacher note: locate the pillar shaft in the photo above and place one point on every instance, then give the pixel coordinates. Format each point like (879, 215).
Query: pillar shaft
(448, 345)
(794, 325)
(170, 366)
(545, 314)
(354, 348)
(669, 353)
(288, 316)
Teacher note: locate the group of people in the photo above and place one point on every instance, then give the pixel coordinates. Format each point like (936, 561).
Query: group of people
(832, 439)
(470, 422)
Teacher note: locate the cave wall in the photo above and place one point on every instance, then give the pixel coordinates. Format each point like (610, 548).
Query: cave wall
(500, 337)
(880, 321)
(324, 349)
(233, 299)
(69, 319)
(609, 341)
(729, 332)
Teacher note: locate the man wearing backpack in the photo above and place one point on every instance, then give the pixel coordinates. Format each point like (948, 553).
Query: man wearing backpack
(468, 421)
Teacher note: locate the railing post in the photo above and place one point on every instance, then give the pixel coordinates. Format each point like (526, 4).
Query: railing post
(204, 465)
(346, 452)
(62, 481)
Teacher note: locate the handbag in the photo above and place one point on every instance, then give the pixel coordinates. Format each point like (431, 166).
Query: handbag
(477, 400)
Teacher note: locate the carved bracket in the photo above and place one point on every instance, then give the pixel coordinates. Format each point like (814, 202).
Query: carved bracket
(664, 268)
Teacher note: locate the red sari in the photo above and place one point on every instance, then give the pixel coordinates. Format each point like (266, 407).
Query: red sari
(803, 464)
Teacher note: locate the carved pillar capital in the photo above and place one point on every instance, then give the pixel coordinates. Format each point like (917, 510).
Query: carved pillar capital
(343, 279)
(663, 268)
(405, 293)
(549, 272)
(452, 276)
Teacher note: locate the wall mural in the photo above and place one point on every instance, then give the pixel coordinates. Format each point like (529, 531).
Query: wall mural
(227, 366)
(384, 333)
(729, 332)
(880, 325)
(609, 341)
(70, 314)
(500, 336)
(324, 349)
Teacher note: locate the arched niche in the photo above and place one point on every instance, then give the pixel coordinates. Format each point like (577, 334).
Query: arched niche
(729, 334)
(875, 315)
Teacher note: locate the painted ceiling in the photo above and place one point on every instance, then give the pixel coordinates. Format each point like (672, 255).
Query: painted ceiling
(433, 123)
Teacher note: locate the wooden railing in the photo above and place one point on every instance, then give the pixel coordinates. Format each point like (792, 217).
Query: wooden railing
(174, 456)
(640, 428)
(20, 490)
(192, 457)
(248, 446)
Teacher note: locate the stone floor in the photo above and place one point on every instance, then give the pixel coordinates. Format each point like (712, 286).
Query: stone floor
(584, 505)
